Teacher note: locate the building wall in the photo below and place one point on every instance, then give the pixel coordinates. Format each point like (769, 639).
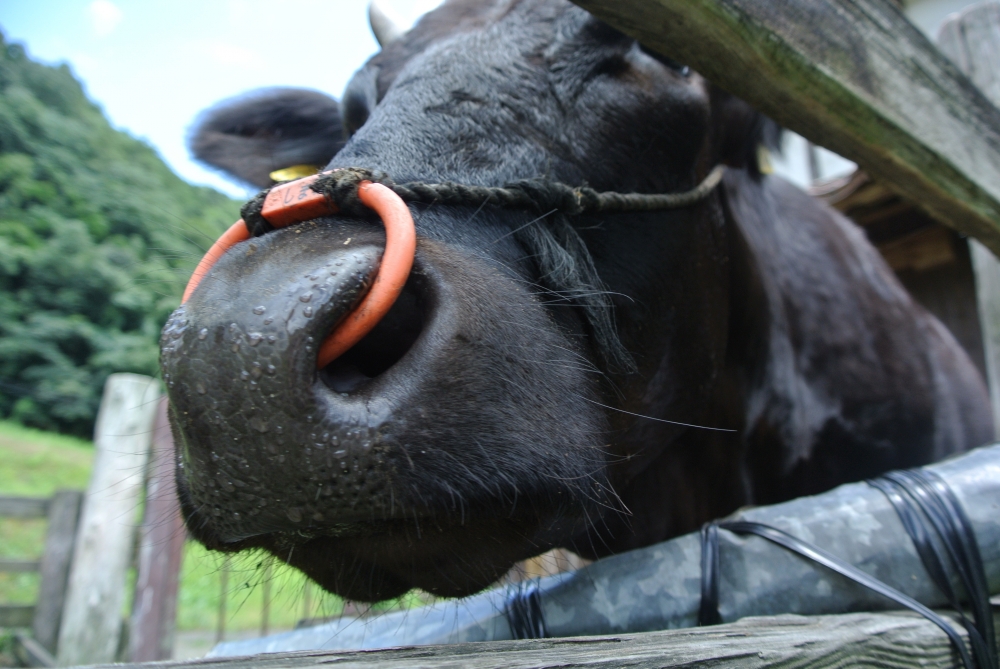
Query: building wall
(928, 15)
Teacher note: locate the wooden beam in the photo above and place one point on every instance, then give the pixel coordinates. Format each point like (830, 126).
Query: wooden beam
(18, 566)
(854, 76)
(31, 653)
(856, 639)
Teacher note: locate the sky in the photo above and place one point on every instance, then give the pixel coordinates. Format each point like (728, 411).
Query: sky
(153, 65)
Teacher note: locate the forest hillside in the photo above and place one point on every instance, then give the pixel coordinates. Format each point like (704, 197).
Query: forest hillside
(97, 239)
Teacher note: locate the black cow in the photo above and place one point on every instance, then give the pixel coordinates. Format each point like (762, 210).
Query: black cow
(617, 383)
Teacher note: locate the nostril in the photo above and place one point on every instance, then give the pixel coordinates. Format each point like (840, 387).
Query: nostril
(381, 348)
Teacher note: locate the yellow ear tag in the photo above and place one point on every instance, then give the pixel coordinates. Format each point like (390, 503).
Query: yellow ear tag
(764, 160)
(294, 172)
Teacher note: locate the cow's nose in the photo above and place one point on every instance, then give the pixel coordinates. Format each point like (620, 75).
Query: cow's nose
(269, 302)
(385, 345)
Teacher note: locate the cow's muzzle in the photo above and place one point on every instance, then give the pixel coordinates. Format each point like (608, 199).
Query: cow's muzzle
(270, 442)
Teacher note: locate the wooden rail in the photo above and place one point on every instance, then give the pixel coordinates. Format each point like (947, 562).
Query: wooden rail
(16, 615)
(24, 507)
(857, 639)
(19, 566)
(854, 76)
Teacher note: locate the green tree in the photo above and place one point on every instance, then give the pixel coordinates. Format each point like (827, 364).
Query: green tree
(97, 239)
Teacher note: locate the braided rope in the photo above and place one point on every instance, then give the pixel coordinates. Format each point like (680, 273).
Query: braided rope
(544, 195)
(340, 187)
(564, 262)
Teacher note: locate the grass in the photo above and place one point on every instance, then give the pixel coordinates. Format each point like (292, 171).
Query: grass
(34, 463)
(37, 463)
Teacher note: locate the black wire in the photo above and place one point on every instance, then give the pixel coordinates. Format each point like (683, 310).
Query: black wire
(708, 612)
(925, 503)
(524, 612)
(839, 566)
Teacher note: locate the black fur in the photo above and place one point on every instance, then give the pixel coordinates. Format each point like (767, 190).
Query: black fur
(479, 424)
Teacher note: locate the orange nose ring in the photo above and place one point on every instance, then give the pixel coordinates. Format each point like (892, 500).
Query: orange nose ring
(294, 202)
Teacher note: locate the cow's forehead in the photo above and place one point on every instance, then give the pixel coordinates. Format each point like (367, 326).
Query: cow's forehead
(536, 26)
(457, 17)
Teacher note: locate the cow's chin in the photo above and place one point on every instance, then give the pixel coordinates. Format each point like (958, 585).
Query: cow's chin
(378, 560)
(385, 560)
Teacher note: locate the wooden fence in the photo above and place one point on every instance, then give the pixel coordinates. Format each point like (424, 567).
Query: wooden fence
(857, 639)
(854, 76)
(62, 511)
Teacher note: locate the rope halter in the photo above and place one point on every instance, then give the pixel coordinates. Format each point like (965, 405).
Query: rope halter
(354, 191)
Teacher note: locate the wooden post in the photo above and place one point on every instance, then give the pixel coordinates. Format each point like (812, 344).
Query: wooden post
(854, 76)
(971, 39)
(92, 617)
(60, 538)
(161, 549)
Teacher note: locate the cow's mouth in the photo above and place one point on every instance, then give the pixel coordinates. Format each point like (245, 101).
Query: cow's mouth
(385, 559)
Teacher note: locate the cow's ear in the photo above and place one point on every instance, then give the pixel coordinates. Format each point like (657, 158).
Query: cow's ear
(739, 132)
(252, 135)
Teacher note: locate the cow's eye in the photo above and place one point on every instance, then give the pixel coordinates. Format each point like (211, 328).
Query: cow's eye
(679, 68)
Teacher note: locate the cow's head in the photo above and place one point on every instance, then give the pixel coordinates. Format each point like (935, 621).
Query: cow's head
(492, 414)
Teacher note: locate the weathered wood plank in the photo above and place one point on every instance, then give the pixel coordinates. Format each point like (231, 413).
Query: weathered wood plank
(24, 507)
(161, 546)
(857, 639)
(851, 75)
(971, 39)
(16, 615)
(12, 566)
(92, 616)
(30, 653)
(60, 538)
